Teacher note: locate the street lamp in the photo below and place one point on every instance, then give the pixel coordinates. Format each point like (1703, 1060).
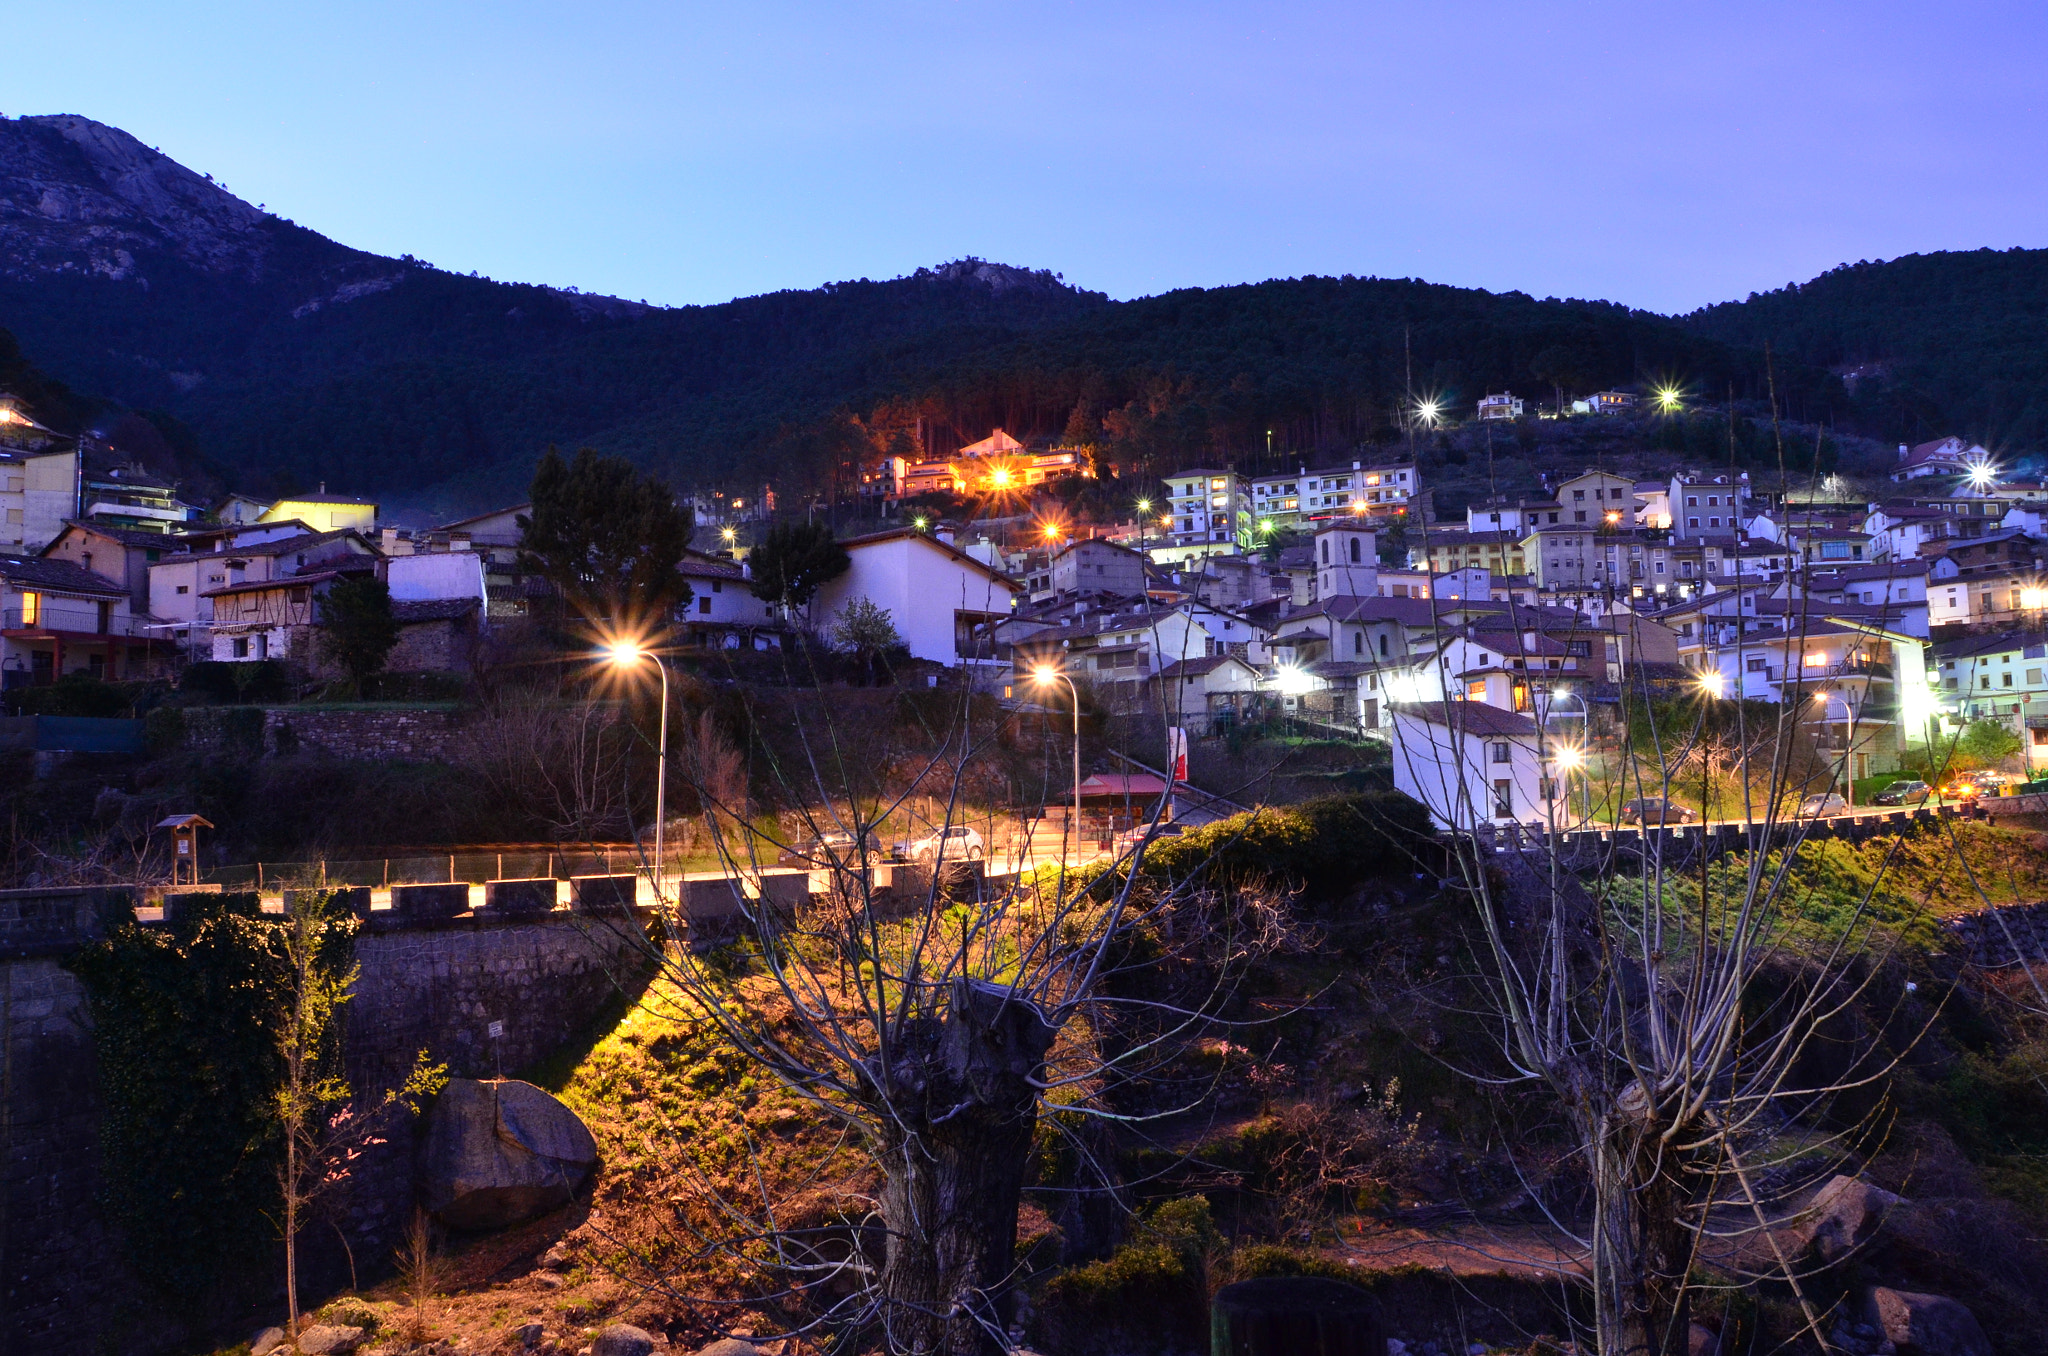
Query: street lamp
(1144, 510)
(1712, 684)
(1045, 675)
(627, 654)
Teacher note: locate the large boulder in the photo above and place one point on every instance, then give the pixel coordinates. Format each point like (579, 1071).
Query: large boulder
(1845, 1214)
(501, 1151)
(1926, 1325)
(622, 1339)
(330, 1339)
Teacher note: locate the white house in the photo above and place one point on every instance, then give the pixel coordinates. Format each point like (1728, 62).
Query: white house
(1196, 693)
(1948, 456)
(433, 578)
(1472, 764)
(942, 601)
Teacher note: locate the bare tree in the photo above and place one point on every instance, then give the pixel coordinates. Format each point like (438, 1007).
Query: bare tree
(1665, 1010)
(563, 763)
(937, 1019)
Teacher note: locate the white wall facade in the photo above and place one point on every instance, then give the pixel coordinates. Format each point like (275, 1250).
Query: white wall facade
(924, 587)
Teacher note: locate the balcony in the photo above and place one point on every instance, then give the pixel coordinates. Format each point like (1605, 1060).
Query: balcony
(68, 617)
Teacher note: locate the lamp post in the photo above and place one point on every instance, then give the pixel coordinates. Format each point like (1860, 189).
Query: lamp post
(1045, 675)
(626, 654)
(1144, 512)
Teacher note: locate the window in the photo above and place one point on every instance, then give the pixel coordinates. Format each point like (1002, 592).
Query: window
(241, 647)
(2005, 680)
(31, 609)
(1693, 501)
(1383, 645)
(1354, 551)
(718, 586)
(1756, 663)
(1504, 799)
(1692, 522)
(184, 588)
(704, 605)
(1578, 494)
(1358, 642)
(1984, 681)
(1579, 517)
(1503, 753)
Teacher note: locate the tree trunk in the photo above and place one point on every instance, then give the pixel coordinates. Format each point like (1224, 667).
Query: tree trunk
(1642, 1248)
(964, 1108)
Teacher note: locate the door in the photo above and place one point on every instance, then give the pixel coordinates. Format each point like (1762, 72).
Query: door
(1504, 798)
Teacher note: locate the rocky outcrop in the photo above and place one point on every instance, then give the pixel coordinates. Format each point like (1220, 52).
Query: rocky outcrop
(1925, 1325)
(330, 1339)
(1844, 1216)
(502, 1151)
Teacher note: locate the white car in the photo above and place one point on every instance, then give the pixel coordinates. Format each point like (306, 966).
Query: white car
(956, 844)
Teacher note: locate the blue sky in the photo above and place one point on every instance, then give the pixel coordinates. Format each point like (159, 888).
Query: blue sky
(1660, 155)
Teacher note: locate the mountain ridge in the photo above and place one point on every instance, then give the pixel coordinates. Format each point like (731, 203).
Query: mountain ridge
(298, 359)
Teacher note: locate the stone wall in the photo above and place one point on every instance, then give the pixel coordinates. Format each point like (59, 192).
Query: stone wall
(2011, 935)
(55, 1254)
(434, 987)
(412, 735)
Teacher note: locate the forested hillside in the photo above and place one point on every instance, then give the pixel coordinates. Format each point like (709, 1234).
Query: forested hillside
(291, 359)
(1931, 343)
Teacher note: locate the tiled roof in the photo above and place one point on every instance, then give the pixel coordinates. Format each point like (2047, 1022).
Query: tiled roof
(38, 573)
(1470, 717)
(433, 609)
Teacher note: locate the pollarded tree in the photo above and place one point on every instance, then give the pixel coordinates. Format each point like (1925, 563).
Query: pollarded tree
(1660, 994)
(794, 561)
(940, 1024)
(608, 537)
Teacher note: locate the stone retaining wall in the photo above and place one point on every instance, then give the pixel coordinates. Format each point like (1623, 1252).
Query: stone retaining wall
(396, 735)
(435, 986)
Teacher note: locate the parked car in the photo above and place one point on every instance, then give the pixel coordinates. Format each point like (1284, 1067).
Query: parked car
(1143, 833)
(1908, 792)
(1656, 810)
(835, 848)
(955, 844)
(1826, 803)
(1961, 788)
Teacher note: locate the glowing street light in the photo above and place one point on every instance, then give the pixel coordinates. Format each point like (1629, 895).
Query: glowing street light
(1983, 475)
(1712, 683)
(1045, 675)
(1669, 400)
(918, 522)
(2034, 598)
(1428, 411)
(1000, 478)
(729, 534)
(627, 654)
(1144, 506)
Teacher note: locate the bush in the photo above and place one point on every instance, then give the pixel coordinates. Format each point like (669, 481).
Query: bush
(79, 694)
(1150, 1294)
(1325, 846)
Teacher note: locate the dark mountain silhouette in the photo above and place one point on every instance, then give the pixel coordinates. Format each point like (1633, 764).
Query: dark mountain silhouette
(293, 359)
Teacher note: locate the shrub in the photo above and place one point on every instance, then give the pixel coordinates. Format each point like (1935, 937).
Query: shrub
(78, 694)
(1325, 846)
(1149, 1294)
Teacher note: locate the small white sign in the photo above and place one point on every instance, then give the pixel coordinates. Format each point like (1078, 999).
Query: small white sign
(497, 1029)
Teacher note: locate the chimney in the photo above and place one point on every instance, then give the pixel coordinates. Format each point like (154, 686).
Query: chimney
(1904, 451)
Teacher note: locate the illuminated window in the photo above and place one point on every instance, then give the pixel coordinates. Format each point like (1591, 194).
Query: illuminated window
(1815, 659)
(31, 609)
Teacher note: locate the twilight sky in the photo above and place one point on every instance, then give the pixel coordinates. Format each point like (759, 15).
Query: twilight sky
(1662, 155)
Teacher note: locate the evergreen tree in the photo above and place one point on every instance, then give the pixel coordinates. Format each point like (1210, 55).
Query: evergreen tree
(794, 561)
(608, 537)
(358, 627)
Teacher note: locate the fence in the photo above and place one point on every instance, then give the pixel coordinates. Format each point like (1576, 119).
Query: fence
(470, 867)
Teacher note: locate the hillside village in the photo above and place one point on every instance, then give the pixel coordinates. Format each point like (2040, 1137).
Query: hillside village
(1327, 594)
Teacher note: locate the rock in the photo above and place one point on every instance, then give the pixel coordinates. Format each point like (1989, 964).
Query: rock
(1845, 1215)
(1701, 1341)
(502, 1151)
(330, 1339)
(1926, 1325)
(529, 1335)
(730, 1346)
(265, 1342)
(557, 1258)
(622, 1339)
